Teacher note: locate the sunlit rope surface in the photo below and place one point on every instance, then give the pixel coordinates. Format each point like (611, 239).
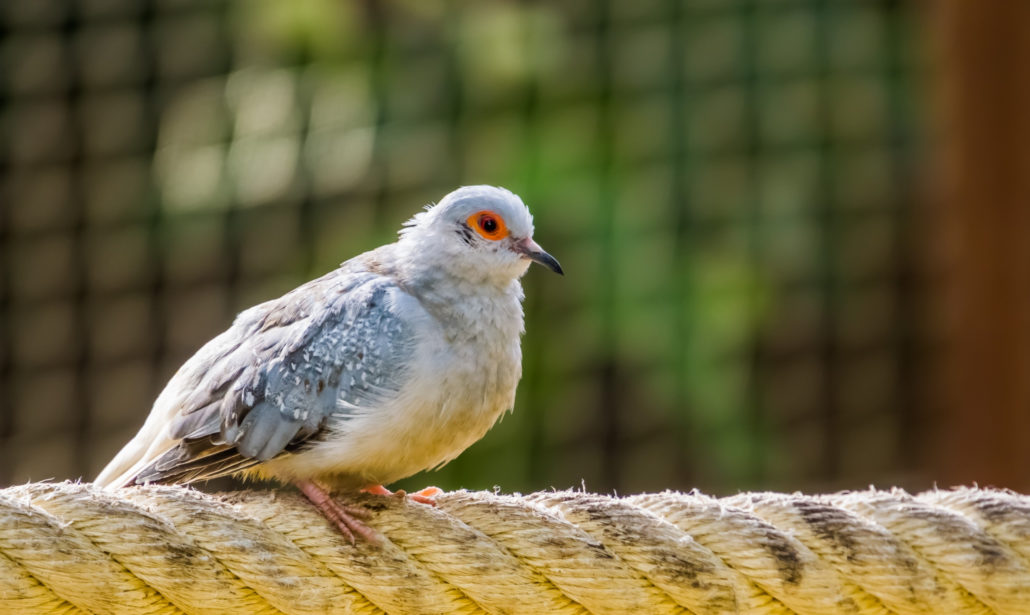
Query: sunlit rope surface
(70, 548)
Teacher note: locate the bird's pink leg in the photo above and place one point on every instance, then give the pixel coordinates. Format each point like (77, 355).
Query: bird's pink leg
(345, 518)
(426, 496)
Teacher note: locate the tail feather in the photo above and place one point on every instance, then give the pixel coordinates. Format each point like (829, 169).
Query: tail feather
(116, 472)
(182, 461)
(140, 452)
(216, 462)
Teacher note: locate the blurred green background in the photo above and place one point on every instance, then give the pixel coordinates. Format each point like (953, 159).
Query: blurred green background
(730, 186)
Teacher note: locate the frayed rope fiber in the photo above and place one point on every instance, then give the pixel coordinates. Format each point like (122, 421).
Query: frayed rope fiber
(72, 548)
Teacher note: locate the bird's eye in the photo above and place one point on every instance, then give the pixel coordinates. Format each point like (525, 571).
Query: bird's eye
(489, 225)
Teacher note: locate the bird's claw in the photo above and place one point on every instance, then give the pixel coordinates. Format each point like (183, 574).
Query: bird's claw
(345, 518)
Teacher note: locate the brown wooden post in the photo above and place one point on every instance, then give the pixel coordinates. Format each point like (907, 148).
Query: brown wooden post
(984, 434)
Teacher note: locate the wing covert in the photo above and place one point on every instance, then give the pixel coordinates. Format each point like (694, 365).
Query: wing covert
(329, 349)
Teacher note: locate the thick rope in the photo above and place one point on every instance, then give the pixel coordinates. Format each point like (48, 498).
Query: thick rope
(71, 548)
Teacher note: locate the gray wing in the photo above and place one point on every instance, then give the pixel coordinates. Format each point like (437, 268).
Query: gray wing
(325, 350)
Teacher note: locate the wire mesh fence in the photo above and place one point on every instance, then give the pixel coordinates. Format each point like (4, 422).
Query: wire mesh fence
(728, 185)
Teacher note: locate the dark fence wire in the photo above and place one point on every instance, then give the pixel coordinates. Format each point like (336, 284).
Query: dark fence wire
(728, 181)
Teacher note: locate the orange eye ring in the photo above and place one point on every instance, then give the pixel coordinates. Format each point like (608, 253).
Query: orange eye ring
(489, 225)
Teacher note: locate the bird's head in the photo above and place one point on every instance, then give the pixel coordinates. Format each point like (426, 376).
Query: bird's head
(478, 233)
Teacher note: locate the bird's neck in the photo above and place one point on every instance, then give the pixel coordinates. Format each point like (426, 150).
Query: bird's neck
(460, 298)
(468, 305)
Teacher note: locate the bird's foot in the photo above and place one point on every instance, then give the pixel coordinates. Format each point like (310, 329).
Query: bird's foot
(380, 490)
(345, 518)
(426, 496)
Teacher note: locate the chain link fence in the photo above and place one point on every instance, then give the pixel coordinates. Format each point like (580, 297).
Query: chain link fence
(729, 185)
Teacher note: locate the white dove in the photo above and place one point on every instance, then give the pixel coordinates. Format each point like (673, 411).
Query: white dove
(393, 363)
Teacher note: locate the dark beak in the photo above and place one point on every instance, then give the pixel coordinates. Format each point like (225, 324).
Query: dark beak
(532, 250)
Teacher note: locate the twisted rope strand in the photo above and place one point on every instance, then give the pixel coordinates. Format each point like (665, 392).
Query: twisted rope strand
(71, 548)
(781, 568)
(992, 572)
(847, 543)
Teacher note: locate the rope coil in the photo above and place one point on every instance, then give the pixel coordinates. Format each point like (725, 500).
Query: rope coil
(72, 548)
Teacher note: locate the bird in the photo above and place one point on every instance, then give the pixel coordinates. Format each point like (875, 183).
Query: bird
(393, 363)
